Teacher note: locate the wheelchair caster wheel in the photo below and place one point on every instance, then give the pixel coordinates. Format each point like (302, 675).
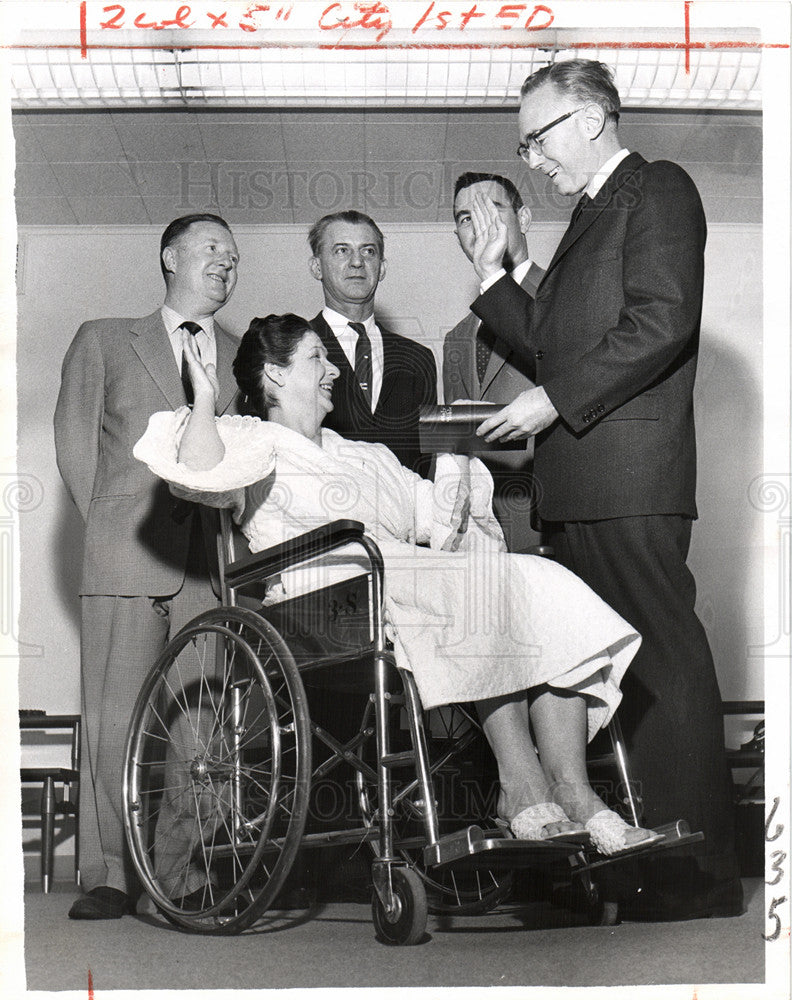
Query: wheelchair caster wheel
(407, 924)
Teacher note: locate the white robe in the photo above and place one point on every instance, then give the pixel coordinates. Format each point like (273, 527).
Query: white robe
(467, 618)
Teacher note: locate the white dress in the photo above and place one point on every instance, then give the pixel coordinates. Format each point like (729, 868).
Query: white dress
(468, 619)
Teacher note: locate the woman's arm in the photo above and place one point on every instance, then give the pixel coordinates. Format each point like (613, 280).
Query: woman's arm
(201, 447)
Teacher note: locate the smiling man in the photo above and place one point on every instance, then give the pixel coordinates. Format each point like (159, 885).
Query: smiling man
(385, 378)
(145, 567)
(614, 333)
(478, 365)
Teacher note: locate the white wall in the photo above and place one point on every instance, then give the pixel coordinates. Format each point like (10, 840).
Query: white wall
(68, 274)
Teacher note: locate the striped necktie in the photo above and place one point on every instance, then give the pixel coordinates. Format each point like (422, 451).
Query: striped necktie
(363, 371)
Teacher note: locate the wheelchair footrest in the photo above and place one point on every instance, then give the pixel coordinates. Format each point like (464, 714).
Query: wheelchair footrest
(490, 848)
(675, 834)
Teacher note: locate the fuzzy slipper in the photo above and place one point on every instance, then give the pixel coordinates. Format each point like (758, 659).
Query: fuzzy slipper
(530, 824)
(609, 834)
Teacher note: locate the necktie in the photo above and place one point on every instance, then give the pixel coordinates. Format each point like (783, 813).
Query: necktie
(578, 209)
(192, 329)
(484, 344)
(363, 372)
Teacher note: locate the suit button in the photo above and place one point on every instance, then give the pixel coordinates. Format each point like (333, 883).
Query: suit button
(539, 355)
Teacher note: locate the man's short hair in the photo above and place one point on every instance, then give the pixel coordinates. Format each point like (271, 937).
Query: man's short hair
(350, 215)
(180, 226)
(471, 177)
(585, 79)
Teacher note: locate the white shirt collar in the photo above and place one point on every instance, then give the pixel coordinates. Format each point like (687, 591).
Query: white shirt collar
(596, 183)
(339, 323)
(173, 321)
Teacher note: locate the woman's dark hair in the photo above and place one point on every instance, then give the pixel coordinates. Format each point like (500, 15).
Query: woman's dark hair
(272, 340)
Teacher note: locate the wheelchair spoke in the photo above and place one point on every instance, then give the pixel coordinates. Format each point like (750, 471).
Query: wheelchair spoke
(217, 772)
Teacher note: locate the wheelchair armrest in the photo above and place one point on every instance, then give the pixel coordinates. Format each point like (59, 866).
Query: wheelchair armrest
(313, 543)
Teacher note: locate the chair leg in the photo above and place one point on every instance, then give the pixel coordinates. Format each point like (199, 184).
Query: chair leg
(47, 832)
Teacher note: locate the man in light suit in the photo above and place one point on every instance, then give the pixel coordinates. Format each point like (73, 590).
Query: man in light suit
(478, 365)
(614, 331)
(146, 561)
(385, 378)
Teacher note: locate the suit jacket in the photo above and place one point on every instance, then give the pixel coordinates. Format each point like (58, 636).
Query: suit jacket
(614, 332)
(409, 380)
(116, 373)
(508, 374)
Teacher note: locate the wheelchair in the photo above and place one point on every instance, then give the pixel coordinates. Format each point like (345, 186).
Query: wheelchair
(222, 757)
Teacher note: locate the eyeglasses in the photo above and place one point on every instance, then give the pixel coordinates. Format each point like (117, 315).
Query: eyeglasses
(533, 141)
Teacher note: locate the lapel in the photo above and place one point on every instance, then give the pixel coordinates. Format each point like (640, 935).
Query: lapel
(335, 353)
(392, 368)
(151, 344)
(467, 330)
(226, 352)
(617, 179)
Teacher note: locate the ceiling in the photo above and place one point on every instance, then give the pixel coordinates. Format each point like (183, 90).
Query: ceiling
(286, 167)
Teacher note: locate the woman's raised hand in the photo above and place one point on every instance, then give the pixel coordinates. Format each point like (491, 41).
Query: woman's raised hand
(203, 377)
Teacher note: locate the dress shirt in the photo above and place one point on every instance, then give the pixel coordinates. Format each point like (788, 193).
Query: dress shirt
(594, 186)
(347, 338)
(518, 274)
(205, 340)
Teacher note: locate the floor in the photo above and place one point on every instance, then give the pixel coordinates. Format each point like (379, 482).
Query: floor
(333, 945)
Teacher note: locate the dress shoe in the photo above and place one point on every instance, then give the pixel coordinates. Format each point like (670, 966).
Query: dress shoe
(101, 903)
(703, 899)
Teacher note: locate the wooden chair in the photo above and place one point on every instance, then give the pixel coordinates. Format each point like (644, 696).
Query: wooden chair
(52, 804)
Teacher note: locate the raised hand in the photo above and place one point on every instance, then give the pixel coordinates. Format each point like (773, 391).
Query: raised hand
(490, 237)
(203, 377)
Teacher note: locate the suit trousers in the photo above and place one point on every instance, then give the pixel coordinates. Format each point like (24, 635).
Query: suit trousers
(121, 638)
(671, 711)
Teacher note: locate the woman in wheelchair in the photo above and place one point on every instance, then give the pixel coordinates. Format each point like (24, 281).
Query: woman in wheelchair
(540, 653)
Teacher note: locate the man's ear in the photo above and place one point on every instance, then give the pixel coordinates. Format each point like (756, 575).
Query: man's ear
(383, 269)
(593, 120)
(524, 219)
(274, 373)
(168, 259)
(315, 267)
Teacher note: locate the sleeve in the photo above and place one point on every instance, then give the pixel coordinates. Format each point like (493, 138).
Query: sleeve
(455, 511)
(507, 308)
(78, 415)
(663, 279)
(249, 458)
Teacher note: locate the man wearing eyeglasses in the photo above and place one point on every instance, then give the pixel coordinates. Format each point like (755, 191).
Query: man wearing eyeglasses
(614, 331)
(478, 365)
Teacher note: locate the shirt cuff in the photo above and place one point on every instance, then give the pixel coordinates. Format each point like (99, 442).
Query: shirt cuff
(489, 282)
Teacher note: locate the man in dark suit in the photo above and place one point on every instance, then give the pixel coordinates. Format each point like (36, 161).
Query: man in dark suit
(614, 331)
(145, 567)
(479, 365)
(385, 378)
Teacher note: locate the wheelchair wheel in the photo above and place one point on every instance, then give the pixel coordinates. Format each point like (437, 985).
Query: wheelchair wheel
(217, 772)
(461, 767)
(407, 924)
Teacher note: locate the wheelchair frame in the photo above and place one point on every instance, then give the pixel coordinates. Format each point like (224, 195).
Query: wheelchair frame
(263, 708)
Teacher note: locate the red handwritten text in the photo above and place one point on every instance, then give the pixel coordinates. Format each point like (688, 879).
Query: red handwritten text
(374, 16)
